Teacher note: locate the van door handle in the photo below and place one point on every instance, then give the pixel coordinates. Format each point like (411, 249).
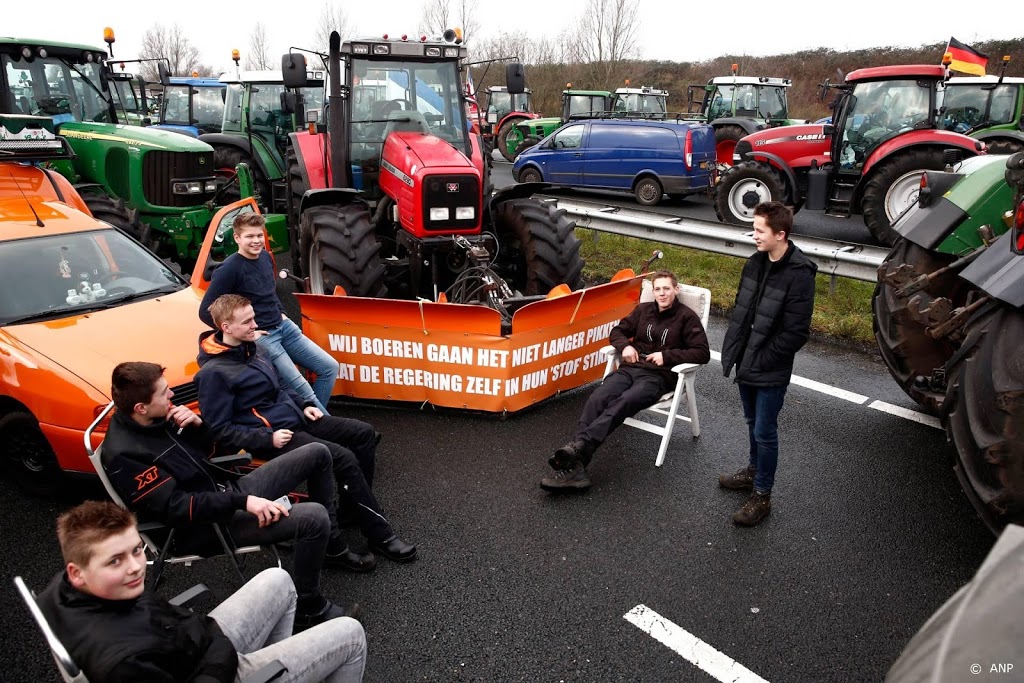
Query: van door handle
(577, 154)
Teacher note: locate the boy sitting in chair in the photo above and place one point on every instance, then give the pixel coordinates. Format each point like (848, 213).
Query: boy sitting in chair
(116, 630)
(652, 339)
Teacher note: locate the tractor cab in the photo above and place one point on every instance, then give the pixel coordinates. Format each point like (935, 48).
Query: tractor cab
(500, 103)
(761, 98)
(645, 102)
(192, 105)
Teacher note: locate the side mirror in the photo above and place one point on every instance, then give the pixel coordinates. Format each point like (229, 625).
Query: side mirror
(163, 74)
(293, 70)
(515, 78)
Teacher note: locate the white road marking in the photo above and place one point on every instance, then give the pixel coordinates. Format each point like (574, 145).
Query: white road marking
(694, 650)
(906, 413)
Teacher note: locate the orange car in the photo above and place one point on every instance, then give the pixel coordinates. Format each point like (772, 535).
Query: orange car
(77, 297)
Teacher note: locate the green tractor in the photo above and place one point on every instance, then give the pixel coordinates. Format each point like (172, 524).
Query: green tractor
(737, 106)
(157, 186)
(989, 108)
(576, 104)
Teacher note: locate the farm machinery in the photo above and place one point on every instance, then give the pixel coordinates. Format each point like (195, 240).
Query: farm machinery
(503, 111)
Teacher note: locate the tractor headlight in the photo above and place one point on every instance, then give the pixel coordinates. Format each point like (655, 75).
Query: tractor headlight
(210, 186)
(465, 213)
(191, 187)
(439, 213)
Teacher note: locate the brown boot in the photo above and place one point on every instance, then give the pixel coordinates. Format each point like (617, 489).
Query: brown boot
(740, 480)
(757, 507)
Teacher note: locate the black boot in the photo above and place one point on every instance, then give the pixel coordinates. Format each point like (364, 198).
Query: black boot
(311, 610)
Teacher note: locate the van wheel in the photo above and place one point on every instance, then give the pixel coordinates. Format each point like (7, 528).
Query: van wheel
(648, 191)
(530, 175)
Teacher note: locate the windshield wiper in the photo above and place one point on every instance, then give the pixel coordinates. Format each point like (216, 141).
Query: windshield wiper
(132, 296)
(98, 305)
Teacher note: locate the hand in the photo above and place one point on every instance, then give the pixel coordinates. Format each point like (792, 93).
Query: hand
(261, 333)
(266, 511)
(282, 437)
(312, 413)
(657, 358)
(630, 355)
(183, 417)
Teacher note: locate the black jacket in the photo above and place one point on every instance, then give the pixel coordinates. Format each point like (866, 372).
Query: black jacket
(771, 320)
(241, 397)
(146, 639)
(166, 476)
(676, 332)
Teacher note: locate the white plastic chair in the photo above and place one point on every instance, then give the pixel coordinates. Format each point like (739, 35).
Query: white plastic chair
(698, 299)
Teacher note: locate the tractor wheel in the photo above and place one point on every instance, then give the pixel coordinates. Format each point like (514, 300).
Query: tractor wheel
(113, 211)
(906, 348)
(530, 174)
(299, 242)
(648, 191)
(726, 138)
(985, 417)
(343, 250)
(225, 159)
(508, 133)
(30, 459)
(523, 146)
(893, 186)
(538, 249)
(1004, 146)
(742, 187)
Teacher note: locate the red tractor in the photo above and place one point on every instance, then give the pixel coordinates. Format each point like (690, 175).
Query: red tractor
(391, 196)
(869, 160)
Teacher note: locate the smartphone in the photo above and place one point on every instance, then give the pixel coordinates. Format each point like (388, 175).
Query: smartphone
(285, 502)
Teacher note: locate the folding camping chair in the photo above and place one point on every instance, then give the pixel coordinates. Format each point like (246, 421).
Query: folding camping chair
(698, 300)
(163, 552)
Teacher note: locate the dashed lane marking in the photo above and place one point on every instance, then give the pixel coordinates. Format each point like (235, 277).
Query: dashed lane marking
(691, 648)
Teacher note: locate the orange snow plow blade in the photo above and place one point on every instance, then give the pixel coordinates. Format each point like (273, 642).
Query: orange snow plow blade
(455, 356)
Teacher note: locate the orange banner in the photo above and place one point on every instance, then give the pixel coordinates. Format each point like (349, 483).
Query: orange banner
(456, 356)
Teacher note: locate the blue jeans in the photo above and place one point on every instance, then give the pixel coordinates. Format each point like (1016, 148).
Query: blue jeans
(288, 347)
(258, 620)
(761, 408)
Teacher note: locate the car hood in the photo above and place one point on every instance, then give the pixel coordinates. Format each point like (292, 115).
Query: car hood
(163, 330)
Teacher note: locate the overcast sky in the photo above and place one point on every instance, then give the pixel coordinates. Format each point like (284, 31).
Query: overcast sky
(670, 29)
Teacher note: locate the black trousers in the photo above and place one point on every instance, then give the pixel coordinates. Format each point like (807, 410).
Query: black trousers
(623, 393)
(353, 446)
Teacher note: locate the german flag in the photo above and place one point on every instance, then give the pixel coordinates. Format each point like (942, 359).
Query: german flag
(965, 58)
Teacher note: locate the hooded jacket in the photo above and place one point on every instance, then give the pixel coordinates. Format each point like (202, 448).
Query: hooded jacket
(241, 397)
(145, 639)
(771, 320)
(676, 332)
(167, 476)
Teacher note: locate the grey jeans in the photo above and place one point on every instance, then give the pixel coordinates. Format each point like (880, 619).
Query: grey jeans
(258, 620)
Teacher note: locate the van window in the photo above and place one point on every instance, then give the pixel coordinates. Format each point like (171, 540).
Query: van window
(570, 137)
(632, 137)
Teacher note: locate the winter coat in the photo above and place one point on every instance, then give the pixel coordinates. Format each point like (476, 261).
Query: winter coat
(676, 332)
(254, 279)
(771, 320)
(241, 397)
(145, 639)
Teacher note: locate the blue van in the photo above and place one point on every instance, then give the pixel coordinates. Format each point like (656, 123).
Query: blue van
(649, 158)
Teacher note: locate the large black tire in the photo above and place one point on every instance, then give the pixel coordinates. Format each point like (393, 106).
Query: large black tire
(343, 251)
(726, 138)
(985, 416)
(648, 191)
(298, 242)
(894, 185)
(538, 248)
(29, 458)
(1004, 146)
(744, 186)
(523, 146)
(906, 348)
(109, 210)
(499, 138)
(225, 159)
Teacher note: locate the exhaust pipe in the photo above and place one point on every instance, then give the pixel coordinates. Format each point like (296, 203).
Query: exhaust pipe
(341, 169)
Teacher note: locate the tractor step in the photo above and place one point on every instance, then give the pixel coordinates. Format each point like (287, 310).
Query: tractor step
(839, 202)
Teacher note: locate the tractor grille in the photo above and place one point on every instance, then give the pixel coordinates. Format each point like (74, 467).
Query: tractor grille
(451, 191)
(161, 169)
(185, 394)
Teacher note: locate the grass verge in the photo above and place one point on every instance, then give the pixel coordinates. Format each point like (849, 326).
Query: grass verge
(845, 314)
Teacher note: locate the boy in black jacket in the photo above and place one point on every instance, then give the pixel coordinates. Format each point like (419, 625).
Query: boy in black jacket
(156, 456)
(654, 338)
(116, 631)
(771, 321)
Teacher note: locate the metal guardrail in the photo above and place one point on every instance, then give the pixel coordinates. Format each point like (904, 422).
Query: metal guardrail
(838, 259)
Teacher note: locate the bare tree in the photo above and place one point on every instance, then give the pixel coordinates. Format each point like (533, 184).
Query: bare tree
(258, 55)
(160, 41)
(440, 15)
(606, 35)
(332, 18)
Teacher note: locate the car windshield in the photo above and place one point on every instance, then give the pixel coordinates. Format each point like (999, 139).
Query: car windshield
(963, 105)
(59, 275)
(56, 87)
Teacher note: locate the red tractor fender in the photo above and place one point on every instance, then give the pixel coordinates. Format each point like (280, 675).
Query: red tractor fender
(309, 151)
(921, 138)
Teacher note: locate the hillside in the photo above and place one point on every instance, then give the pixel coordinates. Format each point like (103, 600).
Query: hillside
(807, 70)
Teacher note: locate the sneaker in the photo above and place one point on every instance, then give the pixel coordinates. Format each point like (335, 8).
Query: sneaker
(327, 612)
(753, 512)
(575, 477)
(566, 456)
(740, 480)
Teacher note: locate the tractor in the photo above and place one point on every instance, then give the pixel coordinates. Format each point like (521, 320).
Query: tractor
(737, 106)
(503, 111)
(645, 102)
(988, 108)
(870, 161)
(576, 104)
(192, 105)
(394, 204)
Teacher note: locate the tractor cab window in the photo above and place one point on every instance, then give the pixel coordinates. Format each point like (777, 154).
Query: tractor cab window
(721, 102)
(963, 106)
(55, 87)
(585, 105)
(638, 103)
(175, 105)
(500, 102)
(125, 98)
(233, 108)
(521, 102)
(878, 111)
(771, 103)
(265, 106)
